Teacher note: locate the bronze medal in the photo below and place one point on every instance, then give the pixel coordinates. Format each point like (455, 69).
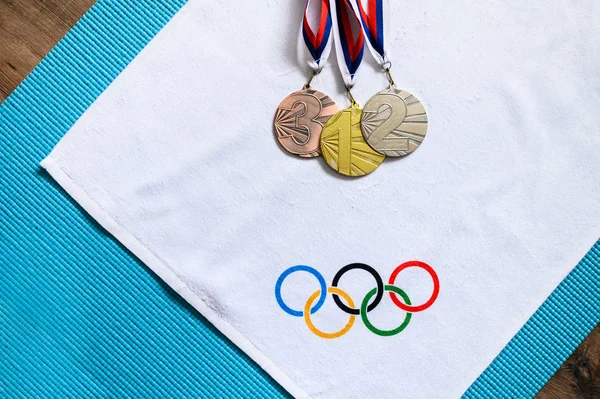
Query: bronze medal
(394, 122)
(299, 121)
(344, 147)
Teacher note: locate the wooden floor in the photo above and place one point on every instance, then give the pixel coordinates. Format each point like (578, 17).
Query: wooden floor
(30, 28)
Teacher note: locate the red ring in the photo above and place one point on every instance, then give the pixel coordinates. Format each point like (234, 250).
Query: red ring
(434, 277)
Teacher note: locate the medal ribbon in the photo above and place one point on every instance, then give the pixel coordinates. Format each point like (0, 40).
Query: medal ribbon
(350, 39)
(373, 22)
(317, 43)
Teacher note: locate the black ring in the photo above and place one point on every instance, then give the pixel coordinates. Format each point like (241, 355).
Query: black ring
(366, 268)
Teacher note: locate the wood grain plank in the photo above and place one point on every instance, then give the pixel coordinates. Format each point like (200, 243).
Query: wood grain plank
(579, 376)
(28, 31)
(30, 28)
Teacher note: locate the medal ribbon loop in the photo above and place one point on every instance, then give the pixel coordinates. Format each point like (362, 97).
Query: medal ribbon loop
(373, 21)
(349, 39)
(317, 43)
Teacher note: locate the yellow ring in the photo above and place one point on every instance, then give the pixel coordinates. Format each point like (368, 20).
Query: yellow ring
(315, 330)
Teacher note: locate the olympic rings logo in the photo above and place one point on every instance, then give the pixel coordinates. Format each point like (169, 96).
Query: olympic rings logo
(369, 302)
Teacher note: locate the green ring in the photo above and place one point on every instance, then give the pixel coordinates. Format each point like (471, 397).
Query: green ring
(365, 317)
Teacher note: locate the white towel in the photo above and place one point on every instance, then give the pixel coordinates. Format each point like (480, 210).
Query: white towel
(178, 160)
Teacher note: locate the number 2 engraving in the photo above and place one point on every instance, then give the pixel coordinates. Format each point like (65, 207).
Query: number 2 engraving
(394, 122)
(381, 138)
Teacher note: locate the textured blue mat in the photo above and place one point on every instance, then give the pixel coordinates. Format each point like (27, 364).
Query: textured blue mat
(81, 317)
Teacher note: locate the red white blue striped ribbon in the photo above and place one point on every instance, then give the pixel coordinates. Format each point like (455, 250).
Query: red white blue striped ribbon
(349, 38)
(374, 18)
(317, 43)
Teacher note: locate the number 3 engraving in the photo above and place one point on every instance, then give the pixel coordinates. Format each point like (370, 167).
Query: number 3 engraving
(306, 110)
(299, 121)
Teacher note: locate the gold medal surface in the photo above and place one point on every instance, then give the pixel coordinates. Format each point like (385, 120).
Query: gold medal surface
(344, 147)
(394, 122)
(299, 121)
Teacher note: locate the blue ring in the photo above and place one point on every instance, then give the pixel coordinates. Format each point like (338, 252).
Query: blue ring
(299, 268)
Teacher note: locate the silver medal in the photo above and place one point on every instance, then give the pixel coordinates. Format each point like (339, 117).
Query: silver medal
(394, 122)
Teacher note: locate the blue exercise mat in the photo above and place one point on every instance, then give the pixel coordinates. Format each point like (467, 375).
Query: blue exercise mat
(80, 316)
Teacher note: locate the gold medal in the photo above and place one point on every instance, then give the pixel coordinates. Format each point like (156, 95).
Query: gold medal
(299, 120)
(344, 147)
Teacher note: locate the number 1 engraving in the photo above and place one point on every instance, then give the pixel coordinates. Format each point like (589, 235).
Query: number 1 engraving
(344, 147)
